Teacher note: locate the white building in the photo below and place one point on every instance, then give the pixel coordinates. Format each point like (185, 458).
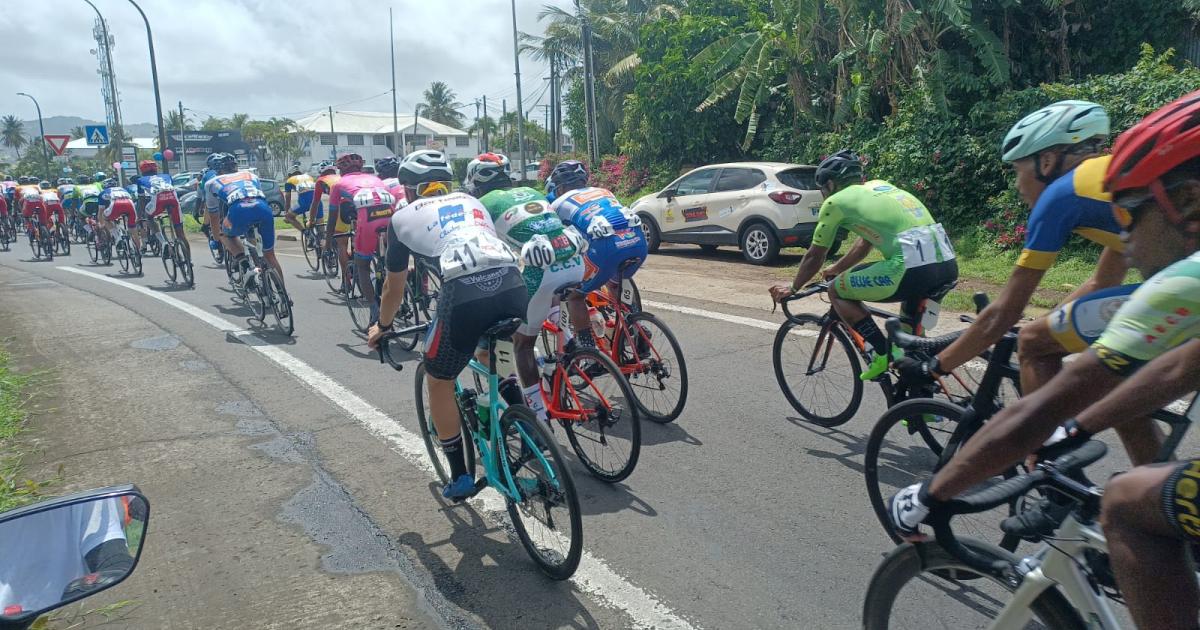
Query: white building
(80, 148)
(370, 134)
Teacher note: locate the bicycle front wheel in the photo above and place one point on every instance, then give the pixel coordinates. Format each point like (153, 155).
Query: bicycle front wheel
(906, 446)
(547, 519)
(333, 270)
(312, 251)
(278, 301)
(183, 262)
(169, 263)
(64, 240)
(652, 360)
(608, 436)
(908, 587)
(429, 435)
(817, 368)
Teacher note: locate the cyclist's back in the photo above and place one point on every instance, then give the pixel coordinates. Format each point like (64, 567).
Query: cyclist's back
(580, 207)
(361, 198)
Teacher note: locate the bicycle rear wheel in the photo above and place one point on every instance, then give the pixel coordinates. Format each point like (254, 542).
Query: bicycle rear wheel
(817, 368)
(278, 301)
(312, 252)
(410, 313)
(135, 259)
(909, 585)
(905, 447)
(35, 245)
(170, 265)
(429, 434)
(547, 519)
(183, 262)
(652, 361)
(608, 439)
(123, 247)
(333, 270)
(359, 305)
(63, 240)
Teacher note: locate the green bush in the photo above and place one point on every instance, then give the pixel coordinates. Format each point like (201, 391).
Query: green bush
(459, 166)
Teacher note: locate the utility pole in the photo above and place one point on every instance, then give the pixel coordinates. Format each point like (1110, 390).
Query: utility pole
(182, 138)
(486, 146)
(332, 132)
(504, 121)
(109, 86)
(546, 115)
(520, 113)
(162, 132)
(395, 112)
(478, 131)
(553, 128)
(41, 138)
(589, 89)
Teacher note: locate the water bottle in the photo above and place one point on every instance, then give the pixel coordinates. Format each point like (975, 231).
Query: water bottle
(483, 408)
(597, 321)
(545, 364)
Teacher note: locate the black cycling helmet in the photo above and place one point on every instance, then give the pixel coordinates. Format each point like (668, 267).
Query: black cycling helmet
(567, 176)
(841, 166)
(295, 169)
(110, 183)
(225, 163)
(485, 174)
(387, 167)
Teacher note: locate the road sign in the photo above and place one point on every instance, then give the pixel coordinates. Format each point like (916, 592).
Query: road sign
(96, 134)
(57, 143)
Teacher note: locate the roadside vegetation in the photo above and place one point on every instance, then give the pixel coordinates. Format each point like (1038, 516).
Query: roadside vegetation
(15, 488)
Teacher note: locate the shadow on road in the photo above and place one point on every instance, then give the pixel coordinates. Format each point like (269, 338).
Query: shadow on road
(853, 445)
(671, 433)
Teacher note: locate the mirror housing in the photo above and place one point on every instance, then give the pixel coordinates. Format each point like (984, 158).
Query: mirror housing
(62, 550)
(667, 194)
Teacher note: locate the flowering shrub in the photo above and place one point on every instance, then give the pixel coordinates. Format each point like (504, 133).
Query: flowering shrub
(1006, 224)
(613, 173)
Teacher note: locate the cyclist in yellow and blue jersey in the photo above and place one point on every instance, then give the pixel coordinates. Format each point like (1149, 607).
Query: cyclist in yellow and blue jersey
(302, 185)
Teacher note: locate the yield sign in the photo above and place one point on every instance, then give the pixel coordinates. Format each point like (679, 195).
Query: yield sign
(57, 143)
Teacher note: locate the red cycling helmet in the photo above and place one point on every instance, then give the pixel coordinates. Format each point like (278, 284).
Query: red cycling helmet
(1154, 147)
(148, 167)
(349, 162)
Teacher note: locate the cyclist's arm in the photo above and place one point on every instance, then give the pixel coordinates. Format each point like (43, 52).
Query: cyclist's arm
(995, 320)
(1110, 272)
(828, 221)
(809, 267)
(1022, 428)
(287, 199)
(1158, 384)
(857, 253)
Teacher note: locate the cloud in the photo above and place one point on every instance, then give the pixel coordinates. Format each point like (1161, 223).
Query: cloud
(264, 57)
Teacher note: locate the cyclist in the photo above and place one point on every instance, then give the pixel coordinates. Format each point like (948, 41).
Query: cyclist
(212, 222)
(1155, 176)
(53, 204)
(66, 193)
(159, 189)
(302, 185)
(238, 195)
(1055, 154)
(116, 202)
(362, 200)
(917, 255)
(333, 222)
(31, 201)
(481, 286)
(387, 169)
(87, 201)
(550, 250)
(614, 235)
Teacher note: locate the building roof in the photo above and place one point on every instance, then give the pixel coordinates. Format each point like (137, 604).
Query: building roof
(373, 122)
(141, 143)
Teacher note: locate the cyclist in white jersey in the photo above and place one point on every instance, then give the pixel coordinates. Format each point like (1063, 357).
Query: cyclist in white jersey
(481, 285)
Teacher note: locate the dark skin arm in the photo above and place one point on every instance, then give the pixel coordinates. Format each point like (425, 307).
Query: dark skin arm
(995, 320)
(1158, 384)
(857, 253)
(808, 268)
(1024, 426)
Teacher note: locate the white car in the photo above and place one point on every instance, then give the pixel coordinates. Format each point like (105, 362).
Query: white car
(757, 206)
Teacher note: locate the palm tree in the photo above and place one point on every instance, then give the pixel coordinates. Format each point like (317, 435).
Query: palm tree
(173, 122)
(77, 132)
(213, 123)
(238, 121)
(12, 133)
(440, 105)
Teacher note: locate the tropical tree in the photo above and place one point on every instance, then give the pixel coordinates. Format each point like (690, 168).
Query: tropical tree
(12, 133)
(441, 105)
(213, 123)
(283, 139)
(238, 121)
(77, 132)
(174, 120)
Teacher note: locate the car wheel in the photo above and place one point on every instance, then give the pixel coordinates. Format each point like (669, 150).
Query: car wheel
(276, 208)
(759, 244)
(650, 229)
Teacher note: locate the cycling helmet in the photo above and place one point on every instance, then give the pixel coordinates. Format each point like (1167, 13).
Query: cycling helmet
(99, 177)
(565, 177)
(840, 166)
(110, 183)
(485, 174)
(424, 166)
(211, 161)
(295, 170)
(1064, 122)
(1154, 147)
(225, 163)
(44, 185)
(498, 158)
(326, 167)
(148, 167)
(64, 181)
(349, 163)
(386, 167)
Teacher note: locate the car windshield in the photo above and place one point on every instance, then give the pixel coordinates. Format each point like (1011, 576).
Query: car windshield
(799, 178)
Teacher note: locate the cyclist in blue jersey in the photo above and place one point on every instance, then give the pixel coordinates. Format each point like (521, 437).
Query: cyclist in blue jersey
(614, 233)
(156, 191)
(212, 220)
(239, 195)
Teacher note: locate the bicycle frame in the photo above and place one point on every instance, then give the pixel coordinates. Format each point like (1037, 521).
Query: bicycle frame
(559, 381)
(621, 311)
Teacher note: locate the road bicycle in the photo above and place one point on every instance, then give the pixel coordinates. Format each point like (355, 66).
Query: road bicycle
(78, 228)
(7, 234)
(591, 399)
(1066, 582)
(271, 298)
(824, 357)
(645, 350)
(421, 291)
(520, 458)
(128, 256)
(41, 242)
(218, 252)
(175, 258)
(99, 244)
(363, 311)
(62, 239)
(310, 241)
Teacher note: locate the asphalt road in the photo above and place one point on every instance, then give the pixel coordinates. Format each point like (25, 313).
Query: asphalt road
(738, 515)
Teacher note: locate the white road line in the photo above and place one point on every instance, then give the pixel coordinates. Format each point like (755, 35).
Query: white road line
(593, 577)
(733, 319)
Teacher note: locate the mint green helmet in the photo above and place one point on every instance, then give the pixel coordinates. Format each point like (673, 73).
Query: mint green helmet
(1064, 122)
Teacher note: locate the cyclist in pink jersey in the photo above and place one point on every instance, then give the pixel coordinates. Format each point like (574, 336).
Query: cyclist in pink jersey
(362, 199)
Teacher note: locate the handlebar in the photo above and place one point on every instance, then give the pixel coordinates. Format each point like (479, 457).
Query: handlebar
(385, 354)
(927, 345)
(812, 289)
(1055, 474)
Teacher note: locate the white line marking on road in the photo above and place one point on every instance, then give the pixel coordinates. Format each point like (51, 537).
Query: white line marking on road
(733, 319)
(593, 577)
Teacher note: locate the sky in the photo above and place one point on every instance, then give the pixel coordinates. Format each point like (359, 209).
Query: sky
(265, 57)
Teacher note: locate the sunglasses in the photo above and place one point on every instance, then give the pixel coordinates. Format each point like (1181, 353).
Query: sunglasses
(1127, 209)
(427, 189)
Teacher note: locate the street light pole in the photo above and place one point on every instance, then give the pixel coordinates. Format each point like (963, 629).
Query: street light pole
(520, 113)
(395, 112)
(162, 133)
(42, 129)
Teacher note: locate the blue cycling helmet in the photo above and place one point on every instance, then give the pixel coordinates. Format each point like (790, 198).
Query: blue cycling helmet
(567, 176)
(387, 168)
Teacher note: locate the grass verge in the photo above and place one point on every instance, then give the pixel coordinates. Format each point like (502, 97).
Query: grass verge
(15, 488)
(192, 226)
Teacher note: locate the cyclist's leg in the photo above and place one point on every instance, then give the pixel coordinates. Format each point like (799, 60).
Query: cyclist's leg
(366, 243)
(1149, 515)
(873, 282)
(600, 264)
(541, 285)
(176, 215)
(292, 218)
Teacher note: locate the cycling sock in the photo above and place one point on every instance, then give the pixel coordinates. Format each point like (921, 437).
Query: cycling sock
(869, 331)
(586, 338)
(533, 398)
(454, 454)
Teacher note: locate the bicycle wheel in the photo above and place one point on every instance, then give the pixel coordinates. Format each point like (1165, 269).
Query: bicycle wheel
(93, 250)
(608, 439)
(106, 249)
(333, 270)
(279, 302)
(359, 305)
(547, 519)
(652, 361)
(905, 447)
(64, 240)
(169, 263)
(433, 445)
(183, 262)
(817, 368)
(35, 245)
(907, 587)
(312, 252)
(135, 259)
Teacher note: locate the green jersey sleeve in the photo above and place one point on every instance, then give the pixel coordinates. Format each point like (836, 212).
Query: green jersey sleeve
(828, 220)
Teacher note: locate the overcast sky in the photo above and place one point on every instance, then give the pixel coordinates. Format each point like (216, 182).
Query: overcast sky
(264, 57)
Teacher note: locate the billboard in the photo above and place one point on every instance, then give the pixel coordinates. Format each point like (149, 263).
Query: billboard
(201, 143)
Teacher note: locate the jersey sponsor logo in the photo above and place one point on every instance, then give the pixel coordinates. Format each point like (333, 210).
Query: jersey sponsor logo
(560, 242)
(480, 216)
(863, 282)
(534, 207)
(588, 195)
(883, 188)
(1118, 362)
(626, 238)
(569, 263)
(451, 214)
(1187, 488)
(486, 281)
(699, 213)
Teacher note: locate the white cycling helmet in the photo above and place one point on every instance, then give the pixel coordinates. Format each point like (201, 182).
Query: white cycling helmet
(424, 166)
(1064, 122)
(486, 173)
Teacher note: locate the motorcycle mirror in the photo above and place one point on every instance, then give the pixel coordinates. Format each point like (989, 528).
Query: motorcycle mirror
(60, 551)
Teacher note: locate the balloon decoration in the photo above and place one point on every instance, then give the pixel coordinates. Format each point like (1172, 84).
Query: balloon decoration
(116, 166)
(169, 154)
(158, 156)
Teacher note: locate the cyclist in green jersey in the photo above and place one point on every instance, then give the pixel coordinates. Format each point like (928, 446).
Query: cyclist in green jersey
(917, 255)
(1155, 179)
(550, 250)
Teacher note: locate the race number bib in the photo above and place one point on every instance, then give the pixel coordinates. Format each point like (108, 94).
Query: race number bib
(120, 194)
(467, 251)
(921, 245)
(245, 191)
